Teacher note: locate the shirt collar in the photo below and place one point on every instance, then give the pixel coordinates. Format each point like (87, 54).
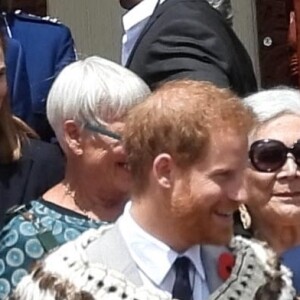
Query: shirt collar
(153, 257)
(140, 12)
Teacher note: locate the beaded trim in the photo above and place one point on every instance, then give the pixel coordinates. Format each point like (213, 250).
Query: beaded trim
(257, 274)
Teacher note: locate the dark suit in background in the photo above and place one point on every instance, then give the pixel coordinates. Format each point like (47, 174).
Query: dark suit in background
(48, 47)
(190, 39)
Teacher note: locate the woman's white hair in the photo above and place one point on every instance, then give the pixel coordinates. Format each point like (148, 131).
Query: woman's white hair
(93, 90)
(269, 104)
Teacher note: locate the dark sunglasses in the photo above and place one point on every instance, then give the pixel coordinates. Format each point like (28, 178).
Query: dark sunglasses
(270, 155)
(102, 130)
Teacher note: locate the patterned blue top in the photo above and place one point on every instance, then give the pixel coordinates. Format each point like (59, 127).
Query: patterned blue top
(20, 242)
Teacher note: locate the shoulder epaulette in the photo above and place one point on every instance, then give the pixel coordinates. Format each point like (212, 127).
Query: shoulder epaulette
(20, 14)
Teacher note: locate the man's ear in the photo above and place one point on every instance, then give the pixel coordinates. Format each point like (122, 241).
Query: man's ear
(163, 166)
(73, 137)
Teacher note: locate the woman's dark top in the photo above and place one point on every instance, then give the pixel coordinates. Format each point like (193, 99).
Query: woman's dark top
(40, 168)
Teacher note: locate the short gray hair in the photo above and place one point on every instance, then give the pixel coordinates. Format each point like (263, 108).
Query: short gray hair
(269, 104)
(94, 90)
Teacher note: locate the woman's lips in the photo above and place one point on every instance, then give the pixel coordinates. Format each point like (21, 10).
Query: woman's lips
(292, 198)
(287, 194)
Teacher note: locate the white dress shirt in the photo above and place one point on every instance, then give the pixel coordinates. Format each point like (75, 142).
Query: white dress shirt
(134, 22)
(154, 259)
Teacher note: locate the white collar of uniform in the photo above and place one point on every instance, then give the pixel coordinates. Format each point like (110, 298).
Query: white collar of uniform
(152, 256)
(140, 12)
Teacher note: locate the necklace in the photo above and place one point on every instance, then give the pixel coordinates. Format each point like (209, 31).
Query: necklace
(72, 194)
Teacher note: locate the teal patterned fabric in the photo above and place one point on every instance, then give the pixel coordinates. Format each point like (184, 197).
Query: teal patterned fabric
(20, 245)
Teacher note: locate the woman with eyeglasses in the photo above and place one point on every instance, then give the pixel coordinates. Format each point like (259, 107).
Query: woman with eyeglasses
(85, 108)
(273, 178)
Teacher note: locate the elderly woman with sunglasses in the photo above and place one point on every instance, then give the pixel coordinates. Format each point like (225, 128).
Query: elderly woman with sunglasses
(85, 108)
(273, 178)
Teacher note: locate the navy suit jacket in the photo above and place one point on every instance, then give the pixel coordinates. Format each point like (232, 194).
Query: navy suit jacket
(190, 39)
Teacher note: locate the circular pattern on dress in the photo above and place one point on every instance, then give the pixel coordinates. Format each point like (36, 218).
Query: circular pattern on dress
(54, 214)
(4, 288)
(47, 222)
(57, 228)
(73, 220)
(2, 266)
(46, 210)
(11, 238)
(27, 229)
(34, 249)
(14, 257)
(17, 276)
(38, 207)
(71, 234)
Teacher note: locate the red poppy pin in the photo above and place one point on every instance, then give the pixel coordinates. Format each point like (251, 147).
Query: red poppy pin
(225, 265)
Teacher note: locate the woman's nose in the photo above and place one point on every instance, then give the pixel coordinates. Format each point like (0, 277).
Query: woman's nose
(290, 168)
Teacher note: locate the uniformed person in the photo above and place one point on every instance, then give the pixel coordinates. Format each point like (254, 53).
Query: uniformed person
(17, 80)
(48, 47)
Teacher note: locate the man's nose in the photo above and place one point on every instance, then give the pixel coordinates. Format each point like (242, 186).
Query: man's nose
(239, 194)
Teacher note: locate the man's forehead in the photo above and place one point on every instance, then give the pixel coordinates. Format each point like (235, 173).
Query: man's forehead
(230, 140)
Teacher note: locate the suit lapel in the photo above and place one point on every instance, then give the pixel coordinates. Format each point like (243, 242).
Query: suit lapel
(112, 251)
(210, 256)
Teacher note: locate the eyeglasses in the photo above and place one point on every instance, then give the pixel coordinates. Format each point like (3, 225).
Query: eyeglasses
(101, 129)
(270, 155)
